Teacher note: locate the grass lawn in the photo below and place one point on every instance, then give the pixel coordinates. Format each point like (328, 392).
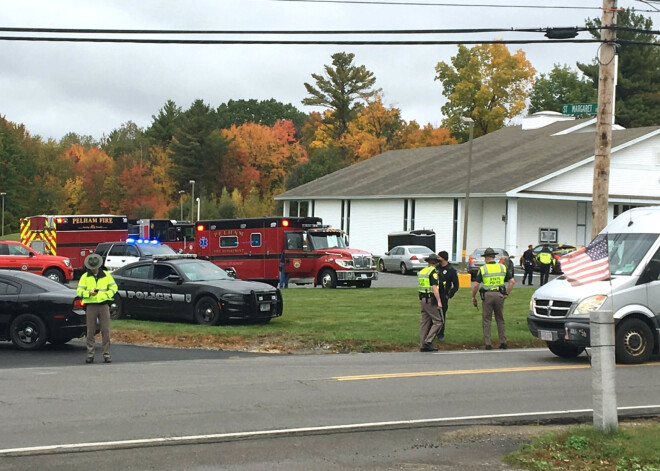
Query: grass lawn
(375, 319)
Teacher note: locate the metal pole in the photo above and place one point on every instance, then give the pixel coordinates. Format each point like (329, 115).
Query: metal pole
(199, 204)
(466, 206)
(3, 212)
(181, 192)
(192, 200)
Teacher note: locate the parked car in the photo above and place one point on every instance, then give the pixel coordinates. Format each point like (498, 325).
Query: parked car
(119, 254)
(476, 259)
(185, 288)
(558, 250)
(16, 256)
(35, 310)
(405, 258)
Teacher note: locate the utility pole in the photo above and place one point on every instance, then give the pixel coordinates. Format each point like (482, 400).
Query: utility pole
(604, 119)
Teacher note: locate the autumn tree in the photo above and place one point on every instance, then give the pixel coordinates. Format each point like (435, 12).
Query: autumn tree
(266, 112)
(485, 83)
(638, 87)
(94, 193)
(412, 136)
(561, 86)
(342, 88)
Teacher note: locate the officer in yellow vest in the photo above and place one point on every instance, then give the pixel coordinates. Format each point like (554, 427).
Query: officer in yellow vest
(430, 303)
(490, 280)
(97, 289)
(545, 261)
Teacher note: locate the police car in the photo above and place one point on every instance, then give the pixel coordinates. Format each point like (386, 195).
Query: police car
(117, 254)
(182, 287)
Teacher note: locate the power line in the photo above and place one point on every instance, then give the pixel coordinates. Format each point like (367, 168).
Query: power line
(441, 4)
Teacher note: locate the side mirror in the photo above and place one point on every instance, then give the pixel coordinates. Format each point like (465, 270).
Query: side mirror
(387, 253)
(174, 278)
(232, 272)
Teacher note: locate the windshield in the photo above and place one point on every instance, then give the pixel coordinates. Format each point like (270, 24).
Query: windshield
(626, 251)
(200, 270)
(157, 250)
(327, 240)
(419, 250)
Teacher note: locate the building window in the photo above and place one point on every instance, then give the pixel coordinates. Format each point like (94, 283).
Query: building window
(547, 235)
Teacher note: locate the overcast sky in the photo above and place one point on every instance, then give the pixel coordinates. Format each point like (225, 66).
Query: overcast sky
(91, 89)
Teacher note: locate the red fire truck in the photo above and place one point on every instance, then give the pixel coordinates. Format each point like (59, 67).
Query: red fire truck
(314, 253)
(72, 236)
(179, 235)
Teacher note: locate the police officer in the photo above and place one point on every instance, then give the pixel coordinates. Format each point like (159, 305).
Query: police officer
(448, 288)
(528, 265)
(490, 280)
(430, 302)
(545, 260)
(97, 289)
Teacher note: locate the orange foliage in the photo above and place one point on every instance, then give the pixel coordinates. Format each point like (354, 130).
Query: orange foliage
(412, 136)
(92, 166)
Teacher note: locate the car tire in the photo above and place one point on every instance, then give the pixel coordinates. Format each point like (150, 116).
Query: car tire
(328, 279)
(634, 342)
(28, 332)
(403, 269)
(55, 275)
(565, 350)
(381, 265)
(207, 311)
(117, 308)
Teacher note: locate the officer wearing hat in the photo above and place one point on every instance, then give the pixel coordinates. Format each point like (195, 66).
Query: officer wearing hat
(430, 302)
(97, 289)
(490, 281)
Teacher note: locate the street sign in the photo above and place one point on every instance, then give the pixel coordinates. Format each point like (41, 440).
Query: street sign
(580, 108)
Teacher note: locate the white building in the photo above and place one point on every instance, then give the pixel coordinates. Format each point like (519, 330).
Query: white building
(530, 183)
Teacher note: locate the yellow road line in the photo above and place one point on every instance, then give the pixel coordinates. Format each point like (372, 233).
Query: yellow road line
(418, 374)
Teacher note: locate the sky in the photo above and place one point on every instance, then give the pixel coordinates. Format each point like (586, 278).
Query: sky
(94, 88)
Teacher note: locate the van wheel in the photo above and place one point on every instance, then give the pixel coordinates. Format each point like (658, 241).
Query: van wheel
(634, 342)
(328, 279)
(207, 311)
(28, 332)
(565, 350)
(54, 274)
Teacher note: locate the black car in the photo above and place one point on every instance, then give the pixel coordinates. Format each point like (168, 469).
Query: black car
(182, 287)
(35, 310)
(558, 250)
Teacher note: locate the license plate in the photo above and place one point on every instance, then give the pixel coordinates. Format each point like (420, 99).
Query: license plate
(363, 275)
(264, 307)
(546, 335)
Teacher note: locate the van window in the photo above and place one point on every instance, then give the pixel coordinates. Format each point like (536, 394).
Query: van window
(255, 240)
(228, 241)
(626, 251)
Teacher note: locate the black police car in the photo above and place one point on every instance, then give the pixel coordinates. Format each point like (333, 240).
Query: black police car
(35, 310)
(181, 287)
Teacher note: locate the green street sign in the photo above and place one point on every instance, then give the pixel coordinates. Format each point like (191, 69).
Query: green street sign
(580, 108)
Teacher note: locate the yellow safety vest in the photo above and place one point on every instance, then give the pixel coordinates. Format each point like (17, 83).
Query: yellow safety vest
(105, 284)
(424, 279)
(492, 275)
(545, 258)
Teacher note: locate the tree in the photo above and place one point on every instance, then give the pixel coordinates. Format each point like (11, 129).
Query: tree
(266, 112)
(413, 136)
(638, 87)
(322, 161)
(94, 169)
(164, 125)
(342, 89)
(561, 86)
(485, 83)
(128, 139)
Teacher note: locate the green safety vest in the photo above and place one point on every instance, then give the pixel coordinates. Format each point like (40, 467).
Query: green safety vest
(545, 258)
(492, 275)
(424, 279)
(105, 284)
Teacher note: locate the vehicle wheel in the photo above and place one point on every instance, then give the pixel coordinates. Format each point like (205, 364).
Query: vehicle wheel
(565, 350)
(207, 311)
(59, 339)
(403, 269)
(54, 274)
(28, 332)
(381, 265)
(328, 279)
(363, 284)
(117, 308)
(634, 342)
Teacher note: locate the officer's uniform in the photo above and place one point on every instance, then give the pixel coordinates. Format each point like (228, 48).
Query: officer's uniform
(430, 303)
(97, 305)
(528, 264)
(492, 277)
(448, 287)
(546, 260)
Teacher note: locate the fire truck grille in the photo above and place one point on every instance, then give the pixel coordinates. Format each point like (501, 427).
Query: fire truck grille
(362, 261)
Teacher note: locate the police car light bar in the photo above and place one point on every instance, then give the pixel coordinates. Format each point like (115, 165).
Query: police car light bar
(131, 240)
(174, 256)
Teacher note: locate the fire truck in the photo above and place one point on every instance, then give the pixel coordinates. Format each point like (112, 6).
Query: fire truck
(72, 236)
(178, 235)
(313, 253)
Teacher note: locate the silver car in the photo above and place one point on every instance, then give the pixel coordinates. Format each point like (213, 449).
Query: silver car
(405, 258)
(476, 259)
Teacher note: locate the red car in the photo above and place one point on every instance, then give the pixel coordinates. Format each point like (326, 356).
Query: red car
(16, 256)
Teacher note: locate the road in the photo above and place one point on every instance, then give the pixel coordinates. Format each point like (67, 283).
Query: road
(230, 411)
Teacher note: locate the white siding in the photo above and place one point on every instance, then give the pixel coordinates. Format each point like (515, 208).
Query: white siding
(556, 214)
(438, 215)
(372, 220)
(329, 211)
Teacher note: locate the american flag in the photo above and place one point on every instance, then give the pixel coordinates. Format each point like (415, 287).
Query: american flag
(587, 264)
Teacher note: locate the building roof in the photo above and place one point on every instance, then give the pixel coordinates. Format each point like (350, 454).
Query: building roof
(501, 162)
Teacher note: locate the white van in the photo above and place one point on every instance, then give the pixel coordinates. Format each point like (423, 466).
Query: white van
(559, 312)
